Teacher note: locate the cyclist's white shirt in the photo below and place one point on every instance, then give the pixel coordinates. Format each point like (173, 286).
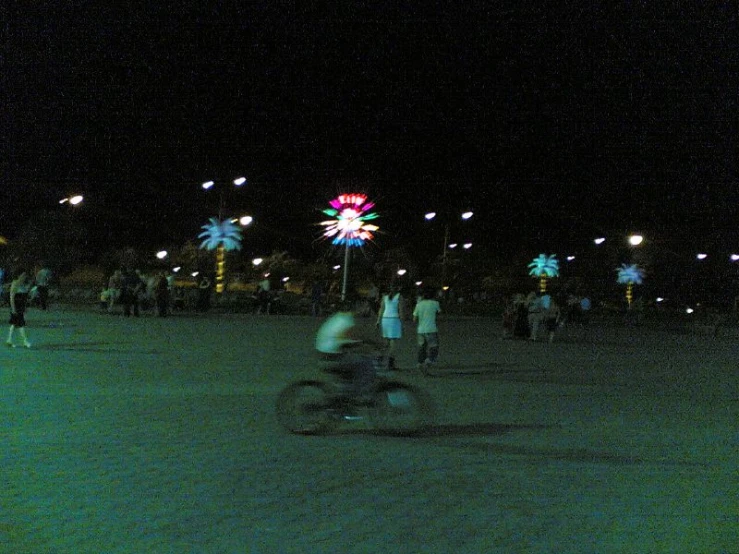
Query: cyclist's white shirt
(331, 337)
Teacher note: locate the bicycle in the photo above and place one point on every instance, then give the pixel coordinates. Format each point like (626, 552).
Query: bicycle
(315, 407)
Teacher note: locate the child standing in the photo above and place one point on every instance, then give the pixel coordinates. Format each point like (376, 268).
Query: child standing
(428, 333)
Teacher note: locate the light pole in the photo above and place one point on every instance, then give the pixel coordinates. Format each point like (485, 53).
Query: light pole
(208, 185)
(464, 216)
(218, 230)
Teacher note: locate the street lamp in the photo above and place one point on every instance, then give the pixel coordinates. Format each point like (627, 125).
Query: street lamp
(207, 185)
(636, 240)
(464, 216)
(72, 200)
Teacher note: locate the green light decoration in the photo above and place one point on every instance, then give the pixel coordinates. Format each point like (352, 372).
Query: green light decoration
(221, 236)
(630, 275)
(544, 267)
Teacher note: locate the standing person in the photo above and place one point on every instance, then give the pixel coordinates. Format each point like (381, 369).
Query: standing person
(161, 295)
(389, 319)
(316, 296)
(43, 280)
(509, 318)
(115, 289)
(374, 298)
(264, 296)
(425, 314)
(551, 317)
(19, 290)
(203, 303)
(132, 286)
(533, 304)
(521, 318)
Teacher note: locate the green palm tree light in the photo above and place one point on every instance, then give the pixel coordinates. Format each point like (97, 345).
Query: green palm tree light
(221, 236)
(544, 267)
(630, 275)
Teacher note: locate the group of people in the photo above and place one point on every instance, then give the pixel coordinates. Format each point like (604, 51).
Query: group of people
(524, 317)
(132, 290)
(23, 287)
(339, 331)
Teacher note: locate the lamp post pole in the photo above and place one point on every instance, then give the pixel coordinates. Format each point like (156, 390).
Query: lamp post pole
(345, 281)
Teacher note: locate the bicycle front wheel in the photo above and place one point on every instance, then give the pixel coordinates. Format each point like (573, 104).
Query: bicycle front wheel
(399, 409)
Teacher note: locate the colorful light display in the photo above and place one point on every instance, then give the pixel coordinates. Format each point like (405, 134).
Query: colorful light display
(544, 267)
(630, 275)
(351, 212)
(220, 236)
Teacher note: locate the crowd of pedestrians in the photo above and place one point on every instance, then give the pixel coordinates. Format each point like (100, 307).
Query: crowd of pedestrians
(530, 317)
(134, 292)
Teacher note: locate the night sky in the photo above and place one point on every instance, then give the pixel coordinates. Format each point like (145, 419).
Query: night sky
(555, 122)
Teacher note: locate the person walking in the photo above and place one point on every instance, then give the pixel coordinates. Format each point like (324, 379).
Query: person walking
(424, 314)
(130, 295)
(389, 319)
(43, 280)
(19, 290)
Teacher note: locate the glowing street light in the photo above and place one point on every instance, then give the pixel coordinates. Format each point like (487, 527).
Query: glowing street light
(636, 240)
(256, 261)
(207, 185)
(402, 272)
(734, 257)
(72, 200)
(701, 256)
(599, 241)
(161, 254)
(464, 216)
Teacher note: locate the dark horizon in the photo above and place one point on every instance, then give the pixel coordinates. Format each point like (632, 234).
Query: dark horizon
(553, 124)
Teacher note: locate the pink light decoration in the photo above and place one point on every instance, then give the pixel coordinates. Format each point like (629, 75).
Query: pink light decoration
(351, 212)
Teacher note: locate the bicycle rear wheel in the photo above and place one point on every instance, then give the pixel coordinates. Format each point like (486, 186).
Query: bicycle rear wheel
(399, 409)
(305, 408)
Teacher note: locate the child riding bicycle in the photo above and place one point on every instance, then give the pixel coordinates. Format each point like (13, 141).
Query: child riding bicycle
(352, 350)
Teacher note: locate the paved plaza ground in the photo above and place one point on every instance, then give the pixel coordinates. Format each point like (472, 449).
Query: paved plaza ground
(158, 436)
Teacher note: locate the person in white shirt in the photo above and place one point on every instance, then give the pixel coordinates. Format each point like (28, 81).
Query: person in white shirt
(424, 315)
(340, 340)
